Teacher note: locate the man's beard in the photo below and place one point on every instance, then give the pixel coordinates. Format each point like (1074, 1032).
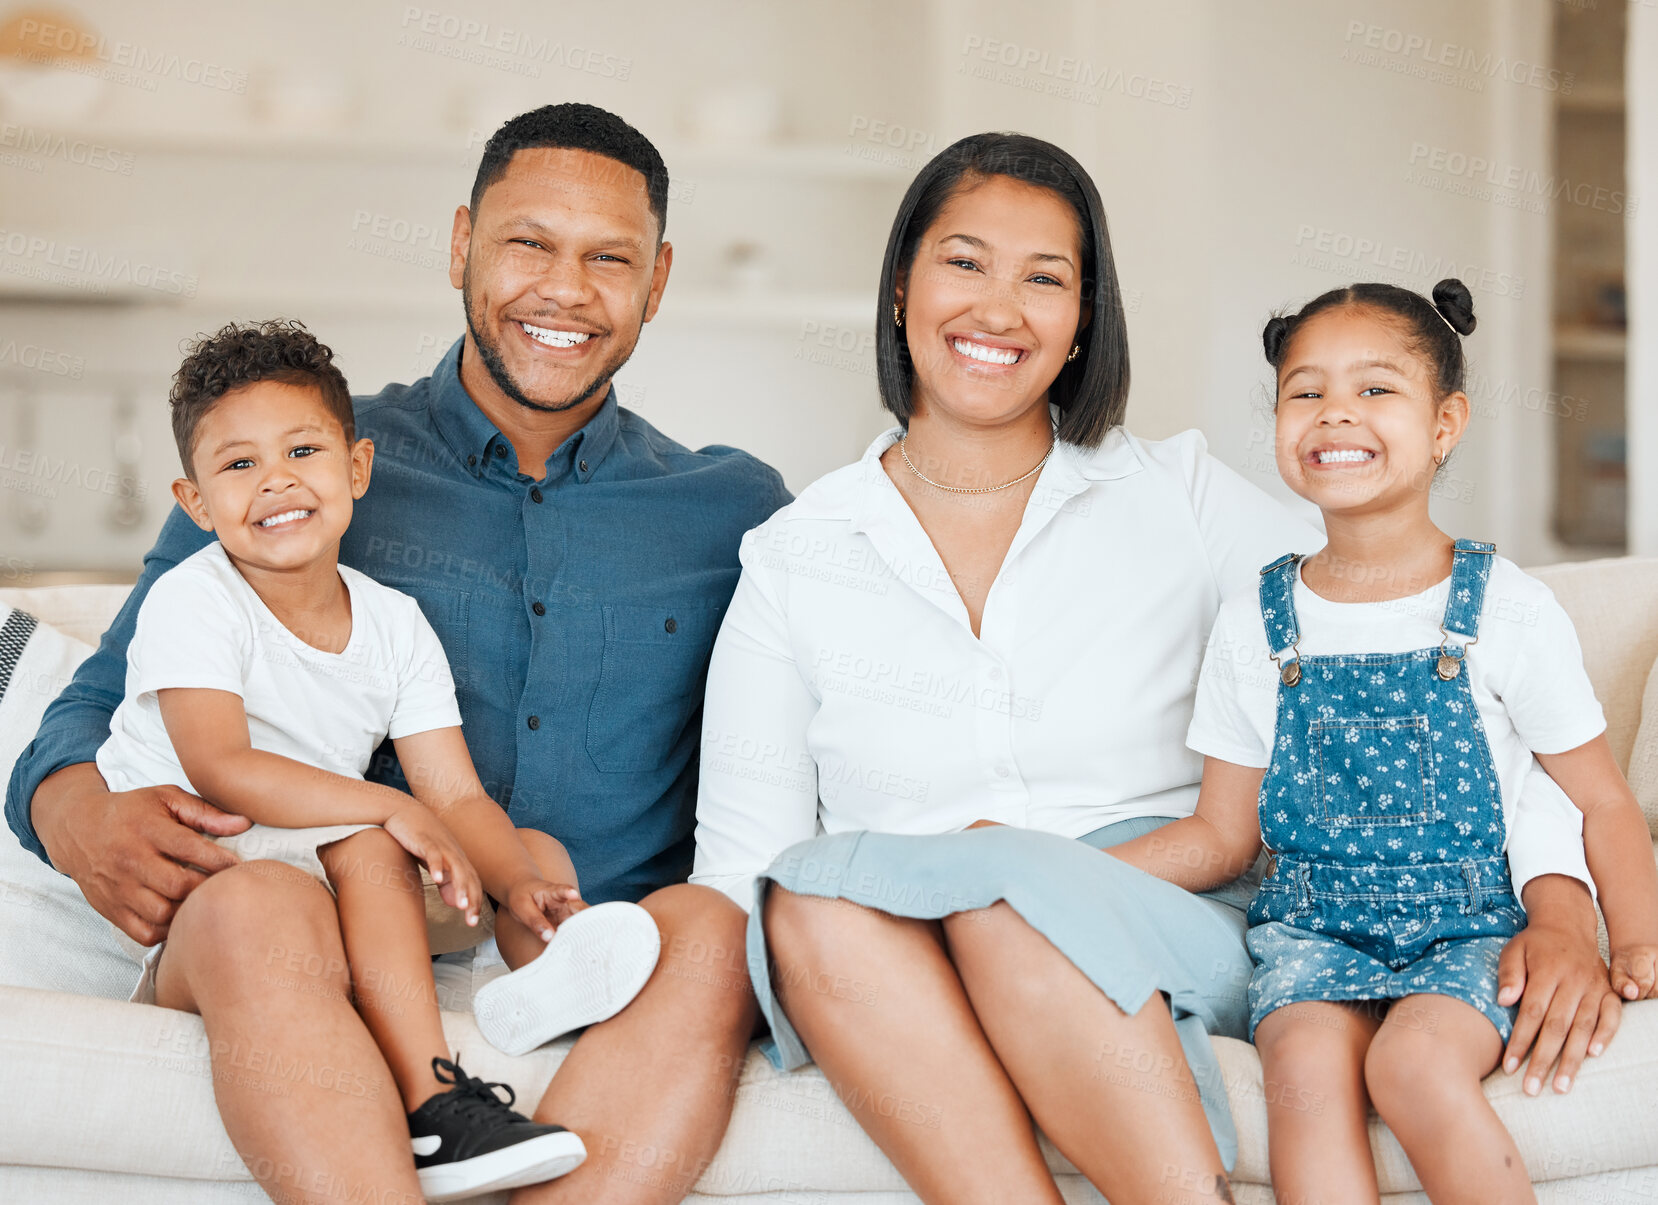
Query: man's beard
(489, 351)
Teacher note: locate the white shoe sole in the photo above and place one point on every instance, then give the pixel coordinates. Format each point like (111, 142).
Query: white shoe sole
(532, 1162)
(595, 964)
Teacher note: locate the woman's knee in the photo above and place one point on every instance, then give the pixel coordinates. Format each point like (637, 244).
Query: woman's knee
(812, 927)
(1000, 922)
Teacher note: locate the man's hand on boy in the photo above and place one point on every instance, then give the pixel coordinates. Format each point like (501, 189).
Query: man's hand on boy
(135, 855)
(1635, 972)
(541, 907)
(417, 829)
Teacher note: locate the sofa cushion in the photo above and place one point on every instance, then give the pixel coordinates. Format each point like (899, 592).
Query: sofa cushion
(49, 936)
(1643, 758)
(1618, 635)
(95, 1064)
(83, 613)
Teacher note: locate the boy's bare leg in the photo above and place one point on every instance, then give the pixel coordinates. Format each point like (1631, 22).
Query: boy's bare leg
(1312, 1065)
(382, 906)
(660, 1076)
(256, 951)
(1424, 1071)
(517, 943)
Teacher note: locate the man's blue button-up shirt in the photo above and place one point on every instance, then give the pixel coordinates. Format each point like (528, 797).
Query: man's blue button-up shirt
(578, 611)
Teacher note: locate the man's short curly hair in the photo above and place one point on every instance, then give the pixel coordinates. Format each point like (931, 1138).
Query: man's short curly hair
(245, 353)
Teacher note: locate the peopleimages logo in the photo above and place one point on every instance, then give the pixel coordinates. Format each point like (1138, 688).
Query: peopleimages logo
(1342, 252)
(1489, 180)
(1430, 52)
(70, 49)
(455, 36)
(47, 144)
(77, 266)
(1065, 76)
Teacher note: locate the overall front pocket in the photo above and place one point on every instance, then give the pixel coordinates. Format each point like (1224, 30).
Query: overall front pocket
(1374, 771)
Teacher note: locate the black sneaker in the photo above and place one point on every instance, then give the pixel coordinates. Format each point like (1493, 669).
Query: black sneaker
(468, 1140)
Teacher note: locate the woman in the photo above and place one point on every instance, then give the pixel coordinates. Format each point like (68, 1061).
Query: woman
(968, 661)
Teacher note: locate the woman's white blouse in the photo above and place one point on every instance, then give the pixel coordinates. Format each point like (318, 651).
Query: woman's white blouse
(848, 692)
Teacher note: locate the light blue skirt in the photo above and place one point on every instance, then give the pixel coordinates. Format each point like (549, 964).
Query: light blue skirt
(1130, 933)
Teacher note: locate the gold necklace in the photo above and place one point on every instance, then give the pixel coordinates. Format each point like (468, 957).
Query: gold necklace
(965, 489)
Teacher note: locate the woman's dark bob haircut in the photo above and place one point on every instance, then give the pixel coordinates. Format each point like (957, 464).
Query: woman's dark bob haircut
(1090, 391)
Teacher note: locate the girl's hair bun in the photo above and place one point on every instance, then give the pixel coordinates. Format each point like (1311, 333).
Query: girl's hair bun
(1272, 338)
(1455, 304)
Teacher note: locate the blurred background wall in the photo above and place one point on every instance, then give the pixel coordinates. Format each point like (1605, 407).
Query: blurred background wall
(168, 166)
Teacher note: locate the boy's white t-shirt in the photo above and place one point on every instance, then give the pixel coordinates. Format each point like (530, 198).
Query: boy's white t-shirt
(1526, 673)
(201, 625)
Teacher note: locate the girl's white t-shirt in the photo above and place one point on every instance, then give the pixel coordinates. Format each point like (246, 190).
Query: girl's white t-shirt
(201, 625)
(1526, 673)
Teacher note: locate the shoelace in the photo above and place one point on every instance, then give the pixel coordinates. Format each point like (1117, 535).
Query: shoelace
(471, 1097)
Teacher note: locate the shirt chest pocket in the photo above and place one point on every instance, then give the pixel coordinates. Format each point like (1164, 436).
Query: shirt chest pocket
(651, 676)
(1374, 771)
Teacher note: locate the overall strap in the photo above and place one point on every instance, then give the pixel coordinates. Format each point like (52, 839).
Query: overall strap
(1278, 603)
(1470, 569)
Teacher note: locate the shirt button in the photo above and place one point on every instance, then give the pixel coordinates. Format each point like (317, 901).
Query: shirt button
(584, 466)
(995, 673)
(535, 495)
(500, 451)
(471, 462)
(1002, 771)
(538, 608)
(671, 626)
(534, 722)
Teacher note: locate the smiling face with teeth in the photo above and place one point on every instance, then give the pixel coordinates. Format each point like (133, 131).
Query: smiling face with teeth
(559, 267)
(274, 476)
(993, 303)
(1359, 419)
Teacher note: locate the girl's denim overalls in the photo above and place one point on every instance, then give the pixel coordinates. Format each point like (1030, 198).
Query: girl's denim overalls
(1382, 815)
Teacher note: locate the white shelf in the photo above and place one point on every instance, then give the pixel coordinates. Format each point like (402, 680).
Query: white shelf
(1590, 343)
(706, 307)
(829, 160)
(1599, 99)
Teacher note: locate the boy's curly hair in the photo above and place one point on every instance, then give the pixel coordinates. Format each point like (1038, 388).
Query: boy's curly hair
(243, 354)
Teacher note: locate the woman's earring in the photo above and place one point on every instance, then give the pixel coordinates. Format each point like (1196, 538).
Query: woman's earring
(1439, 460)
(1075, 352)
(897, 315)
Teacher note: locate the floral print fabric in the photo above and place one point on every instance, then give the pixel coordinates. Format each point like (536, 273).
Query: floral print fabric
(1383, 814)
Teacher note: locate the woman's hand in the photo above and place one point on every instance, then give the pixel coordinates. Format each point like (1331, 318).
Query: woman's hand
(1553, 970)
(986, 824)
(1635, 972)
(541, 907)
(430, 842)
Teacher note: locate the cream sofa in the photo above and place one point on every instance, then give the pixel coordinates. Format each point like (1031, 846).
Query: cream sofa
(109, 1101)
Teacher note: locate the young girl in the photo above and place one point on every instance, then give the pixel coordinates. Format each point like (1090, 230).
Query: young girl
(1369, 713)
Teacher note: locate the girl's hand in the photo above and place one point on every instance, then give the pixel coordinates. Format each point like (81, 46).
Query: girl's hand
(1635, 972)
(431, 843)
(541, 907)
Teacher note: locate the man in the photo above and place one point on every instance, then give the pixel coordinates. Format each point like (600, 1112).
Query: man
(575, 564)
